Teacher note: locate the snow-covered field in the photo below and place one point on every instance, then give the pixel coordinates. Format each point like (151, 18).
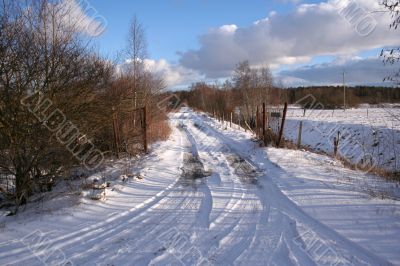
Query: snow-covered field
(370, 136)
(211, 196)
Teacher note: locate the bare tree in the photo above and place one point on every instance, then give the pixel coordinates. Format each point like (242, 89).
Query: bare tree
(137, 49)
(254, 85)
(242, 80)
(42, 55)
(137, 43)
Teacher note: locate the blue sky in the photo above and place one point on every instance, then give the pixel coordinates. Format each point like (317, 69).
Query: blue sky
(192, 40)
(174, 25)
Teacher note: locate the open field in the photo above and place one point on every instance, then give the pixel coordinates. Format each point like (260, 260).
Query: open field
(370, 135)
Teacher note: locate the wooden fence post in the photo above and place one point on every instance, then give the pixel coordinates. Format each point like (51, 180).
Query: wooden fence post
(336, 141)
(231, 119)
(145, 129)
(282, 126)
(257, 122)
(263, 124)
(299, 136)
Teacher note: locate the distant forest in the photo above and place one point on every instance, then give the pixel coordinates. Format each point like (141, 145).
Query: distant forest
(333, 97)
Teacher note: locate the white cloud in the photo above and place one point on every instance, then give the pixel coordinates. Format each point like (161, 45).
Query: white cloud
(227, 29)
(310, 30)
(369, 71)
(174, 75)
(84, 17)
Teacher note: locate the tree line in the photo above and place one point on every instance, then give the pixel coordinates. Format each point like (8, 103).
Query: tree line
(332, 97)
(249, 88)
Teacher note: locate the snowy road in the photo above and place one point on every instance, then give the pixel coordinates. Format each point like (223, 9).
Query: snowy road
(210, 198)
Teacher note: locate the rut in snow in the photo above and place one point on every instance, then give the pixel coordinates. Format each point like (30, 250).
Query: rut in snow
(194, 174)
(192, 168)
(242, 168)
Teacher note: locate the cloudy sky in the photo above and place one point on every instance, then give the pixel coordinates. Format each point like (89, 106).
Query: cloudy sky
(305, 42)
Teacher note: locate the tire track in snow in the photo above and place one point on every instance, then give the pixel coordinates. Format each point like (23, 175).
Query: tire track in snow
(135, 229)
(91, 233)
(143, 236)
(176, 217)
(236, 238)
(203, 207)
(235, 198)
(203, 215)
(145, 240)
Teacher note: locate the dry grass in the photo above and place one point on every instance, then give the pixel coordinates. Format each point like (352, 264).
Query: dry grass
(87, 186)
(159, 131)
(390, 176)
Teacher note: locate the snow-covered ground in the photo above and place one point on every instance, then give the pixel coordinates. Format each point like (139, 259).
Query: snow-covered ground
(210, 196)
(370, 136)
